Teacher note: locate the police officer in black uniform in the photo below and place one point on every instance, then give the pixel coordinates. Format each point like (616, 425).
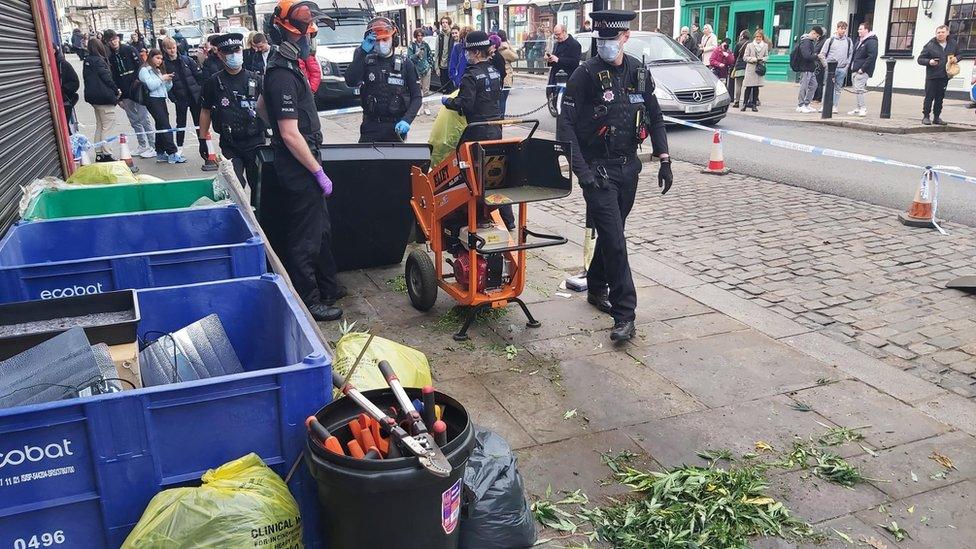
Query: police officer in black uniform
(608, 110)
(388, 84)
(298, 198)
(229, 100)
(481, 86)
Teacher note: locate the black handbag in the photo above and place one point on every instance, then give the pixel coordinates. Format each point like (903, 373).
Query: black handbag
(760, 69)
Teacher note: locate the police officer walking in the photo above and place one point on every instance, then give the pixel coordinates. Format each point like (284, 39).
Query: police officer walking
(608, 110)
(228, 102)
(388, 83)
(301, 188)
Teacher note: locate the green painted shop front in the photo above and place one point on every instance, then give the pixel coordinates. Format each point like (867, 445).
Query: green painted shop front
(783, 22)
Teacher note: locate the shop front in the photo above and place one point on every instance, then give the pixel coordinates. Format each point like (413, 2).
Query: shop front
(397, 11)
(782, 21)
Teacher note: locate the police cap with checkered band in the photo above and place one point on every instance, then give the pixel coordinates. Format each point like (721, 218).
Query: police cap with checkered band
(610, 23)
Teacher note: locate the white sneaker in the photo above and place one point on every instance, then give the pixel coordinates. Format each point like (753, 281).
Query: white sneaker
(148, 152)
(801, 108)
(836, 110)
(862, 112)
(855, 112)
(808, 109)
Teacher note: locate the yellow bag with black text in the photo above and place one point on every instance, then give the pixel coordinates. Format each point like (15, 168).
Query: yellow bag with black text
(410, 365)
(241, 504)
(445, 133)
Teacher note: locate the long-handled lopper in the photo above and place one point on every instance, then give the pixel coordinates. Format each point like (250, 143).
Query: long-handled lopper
(420, 444)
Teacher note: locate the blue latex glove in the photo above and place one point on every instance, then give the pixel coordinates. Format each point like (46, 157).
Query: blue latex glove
(444, 99)
(324, 182)
(368, 42)
(402, 127)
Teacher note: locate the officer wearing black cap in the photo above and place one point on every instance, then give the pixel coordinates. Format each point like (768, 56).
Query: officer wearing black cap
(229, 100)
(608, 110)
(388, 83)
(481, 86)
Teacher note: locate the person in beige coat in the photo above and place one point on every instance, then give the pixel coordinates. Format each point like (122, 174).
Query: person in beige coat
(510, 56)
(756, 53)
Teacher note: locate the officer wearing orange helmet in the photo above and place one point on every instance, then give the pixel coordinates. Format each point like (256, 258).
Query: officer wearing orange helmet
(389, 85)
(295, 206)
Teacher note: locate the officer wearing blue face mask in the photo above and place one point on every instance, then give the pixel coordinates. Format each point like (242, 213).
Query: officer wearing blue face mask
(388, 83)
(228, 103)
(609, 109)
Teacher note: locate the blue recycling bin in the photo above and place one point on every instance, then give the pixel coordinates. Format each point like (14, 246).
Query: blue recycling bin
(89, 255)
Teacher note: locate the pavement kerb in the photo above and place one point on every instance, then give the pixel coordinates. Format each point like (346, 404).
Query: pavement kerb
(948, 408)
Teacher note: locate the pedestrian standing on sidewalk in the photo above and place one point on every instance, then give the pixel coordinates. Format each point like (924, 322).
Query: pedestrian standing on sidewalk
(102, 93)
(739, 71)
(721, 60)
(459, 60)
(686, 40)
(839, 48)
(158, 85)
(936, 56)
(124, 62)
(820, 72)
(862, 65)
(508, 53)
(186, 89)
(696, 33)
(806, 66)
(605, 97)
(69, 88)
(756, 55)
(418, 52)
(77, 43)
(708, 43)
(445, 44)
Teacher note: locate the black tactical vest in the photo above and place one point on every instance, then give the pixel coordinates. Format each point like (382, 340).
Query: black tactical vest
(613, 123)
(235, 116)
(384, 91)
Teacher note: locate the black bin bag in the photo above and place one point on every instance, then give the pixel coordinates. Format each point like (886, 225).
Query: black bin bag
(496, 514)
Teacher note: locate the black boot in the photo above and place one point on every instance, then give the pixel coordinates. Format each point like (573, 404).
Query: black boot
(623, 330)
(735, 105)
(599, 299)
(340, 293)
(926, 121)
(323, 312)
(754, 109)
(938, 121)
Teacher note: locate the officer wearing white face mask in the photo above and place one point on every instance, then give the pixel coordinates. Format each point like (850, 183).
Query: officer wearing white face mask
(228, 102)
(609, 109)
(389, 86)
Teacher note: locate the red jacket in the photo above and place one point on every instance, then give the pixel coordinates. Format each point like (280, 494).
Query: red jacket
(721, 57)
(312, 70)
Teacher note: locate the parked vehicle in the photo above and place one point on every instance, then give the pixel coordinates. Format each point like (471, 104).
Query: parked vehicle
(685, 87)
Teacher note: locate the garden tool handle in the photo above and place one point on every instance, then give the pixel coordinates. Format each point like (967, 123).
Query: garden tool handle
(405, 404)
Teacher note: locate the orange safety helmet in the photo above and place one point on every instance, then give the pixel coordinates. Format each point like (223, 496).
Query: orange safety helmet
(298, 17)
(383, 27)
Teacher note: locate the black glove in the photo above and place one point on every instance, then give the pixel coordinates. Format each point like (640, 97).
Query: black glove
(204, 151)
(586, 181)
(664, 177)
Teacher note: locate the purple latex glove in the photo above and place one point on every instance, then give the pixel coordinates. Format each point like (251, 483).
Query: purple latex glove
(324, 182)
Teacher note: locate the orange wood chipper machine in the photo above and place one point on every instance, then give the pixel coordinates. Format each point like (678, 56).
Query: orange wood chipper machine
(477, 261)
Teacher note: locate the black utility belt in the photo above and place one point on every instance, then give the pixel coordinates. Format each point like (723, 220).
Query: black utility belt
(612, 160)
(383, 119)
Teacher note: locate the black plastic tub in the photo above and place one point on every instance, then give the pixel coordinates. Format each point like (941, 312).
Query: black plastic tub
(392, 503)
(109, 318)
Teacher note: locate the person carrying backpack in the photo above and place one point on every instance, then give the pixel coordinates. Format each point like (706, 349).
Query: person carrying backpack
(803, 61)
(839, 48)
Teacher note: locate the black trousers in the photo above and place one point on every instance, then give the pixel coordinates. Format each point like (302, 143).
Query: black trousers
(160, 115)
(752, 95)
(608, 203)
(374, 131)
(818, 95)
(302, 217)
(245, 162)
(935, 89)
(181, 107)
(447, 86)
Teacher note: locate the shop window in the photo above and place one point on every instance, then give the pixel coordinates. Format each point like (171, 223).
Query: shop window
(782, 25)
(901, 26)
(962, 24)
(723, 23)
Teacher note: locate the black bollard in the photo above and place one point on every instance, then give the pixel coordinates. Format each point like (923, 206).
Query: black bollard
(889, 83)
(828, 97)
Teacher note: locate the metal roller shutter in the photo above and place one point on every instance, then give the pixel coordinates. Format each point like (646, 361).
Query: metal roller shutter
(28, 146)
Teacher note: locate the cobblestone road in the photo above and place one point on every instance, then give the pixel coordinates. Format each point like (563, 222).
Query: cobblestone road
(841, 267)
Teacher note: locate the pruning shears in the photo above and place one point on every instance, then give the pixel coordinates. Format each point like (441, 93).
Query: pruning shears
(418, 441)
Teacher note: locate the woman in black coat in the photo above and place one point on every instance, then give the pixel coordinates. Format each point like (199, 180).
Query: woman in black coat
(187, 80)
(101, 93)
(739, 70)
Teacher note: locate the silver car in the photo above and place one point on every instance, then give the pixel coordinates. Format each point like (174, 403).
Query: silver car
(685, 87)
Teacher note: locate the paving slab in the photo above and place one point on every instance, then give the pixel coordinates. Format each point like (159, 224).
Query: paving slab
(815, 500)
(661, 303)
(887, 422)
(602, 399)
(559, 317)
(893, 468)
(941, 518)
(575, 463)
(674, 441)
(733, 367)
(848, 525)
(486, 411)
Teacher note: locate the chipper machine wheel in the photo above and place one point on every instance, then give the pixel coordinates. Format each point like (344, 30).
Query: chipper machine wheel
(476, 260)
(421, 280)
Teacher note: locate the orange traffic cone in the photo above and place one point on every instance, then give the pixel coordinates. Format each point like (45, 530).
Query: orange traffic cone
(124, 154)
(210, 165)
(919, 214)
(716, 160)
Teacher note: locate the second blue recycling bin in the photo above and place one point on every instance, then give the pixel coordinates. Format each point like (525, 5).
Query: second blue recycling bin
(89, 255)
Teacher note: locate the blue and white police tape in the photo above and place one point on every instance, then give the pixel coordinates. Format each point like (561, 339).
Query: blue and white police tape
(954, 172)
(115, 138)
(429, 98)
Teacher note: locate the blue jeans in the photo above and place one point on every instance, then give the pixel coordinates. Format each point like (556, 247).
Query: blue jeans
(839, 76)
